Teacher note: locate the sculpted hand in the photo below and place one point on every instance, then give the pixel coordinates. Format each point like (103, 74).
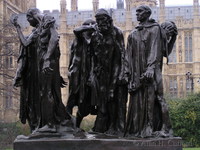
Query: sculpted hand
(123, 79)
(17, 82)
(94, 27)
(149, 73)
(171, 31)
(111, 95)
(131, 87)
(14, 22)
(46, 67)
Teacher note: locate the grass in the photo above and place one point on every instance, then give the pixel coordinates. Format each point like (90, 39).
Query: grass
(191, 148)
(183, 149)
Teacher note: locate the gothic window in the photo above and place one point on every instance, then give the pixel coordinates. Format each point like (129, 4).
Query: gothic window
(8, 96)
(172, 56)
(181, 88)
(128, 6)
(189, 85)
(70, 42)
(188, 47)
(17, 3)
(63, 10)
(173, 86)
(9, 62)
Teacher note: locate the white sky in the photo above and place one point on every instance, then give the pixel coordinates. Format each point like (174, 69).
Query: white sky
(87, 4)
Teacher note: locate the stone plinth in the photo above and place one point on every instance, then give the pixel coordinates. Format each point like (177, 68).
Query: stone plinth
(92, 142)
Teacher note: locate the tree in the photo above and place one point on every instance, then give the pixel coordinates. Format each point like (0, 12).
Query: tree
(185, 116)
(8, 58)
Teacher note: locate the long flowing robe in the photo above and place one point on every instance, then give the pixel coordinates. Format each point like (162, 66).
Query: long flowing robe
(79, 69)
(144, 52)
(106, 66)
(27, 73)
(51, 106)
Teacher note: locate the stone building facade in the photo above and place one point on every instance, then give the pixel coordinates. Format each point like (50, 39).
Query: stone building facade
(181, 76)
(9, 49)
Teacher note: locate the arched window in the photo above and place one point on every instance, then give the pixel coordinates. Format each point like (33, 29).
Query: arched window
(173, 86)
(189, 85)
(172, 56)
(188, 47)
(9, 62)
(8, 96)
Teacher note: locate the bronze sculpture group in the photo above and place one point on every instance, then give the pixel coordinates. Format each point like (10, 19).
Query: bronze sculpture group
(101, 74)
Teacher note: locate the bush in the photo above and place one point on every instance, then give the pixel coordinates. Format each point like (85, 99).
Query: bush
(9, 131)
(185, 117)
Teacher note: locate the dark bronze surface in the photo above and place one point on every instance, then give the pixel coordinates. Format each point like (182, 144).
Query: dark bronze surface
(91, 141)
(101, 73)
(38, 74)
(147, 45)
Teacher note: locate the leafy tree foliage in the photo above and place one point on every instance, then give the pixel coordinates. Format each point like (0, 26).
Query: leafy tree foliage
(185, 117)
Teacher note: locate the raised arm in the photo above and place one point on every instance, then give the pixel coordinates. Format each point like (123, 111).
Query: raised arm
(78, 31)
(25, 41)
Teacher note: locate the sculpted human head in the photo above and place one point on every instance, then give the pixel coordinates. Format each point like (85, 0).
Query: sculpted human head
(89, 22)
(143, 13)
(33, 15)
(104, 20)
(170, 28)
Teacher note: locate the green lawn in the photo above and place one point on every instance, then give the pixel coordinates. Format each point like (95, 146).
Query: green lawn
(191, 148)
(183, 149)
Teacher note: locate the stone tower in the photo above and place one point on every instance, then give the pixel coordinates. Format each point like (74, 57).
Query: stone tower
(136, 3)
(196, 42)
(63, 46)
(74, 5)
(128, 26)
(95, 5)
(196, 9)
(30, 3)
(120, 4)
(162, 11)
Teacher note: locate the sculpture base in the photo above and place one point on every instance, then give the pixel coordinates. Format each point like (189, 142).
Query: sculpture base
(94, 142)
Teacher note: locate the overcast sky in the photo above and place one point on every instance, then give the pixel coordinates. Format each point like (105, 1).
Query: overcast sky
(87, 4)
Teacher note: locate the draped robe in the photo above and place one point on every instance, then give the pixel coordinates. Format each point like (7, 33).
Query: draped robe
(144, 51)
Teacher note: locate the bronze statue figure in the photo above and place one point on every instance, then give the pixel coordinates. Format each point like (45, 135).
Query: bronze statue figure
(147, 45)
(38, 74)
(27, 76)
(79, 72)
(107, 46)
